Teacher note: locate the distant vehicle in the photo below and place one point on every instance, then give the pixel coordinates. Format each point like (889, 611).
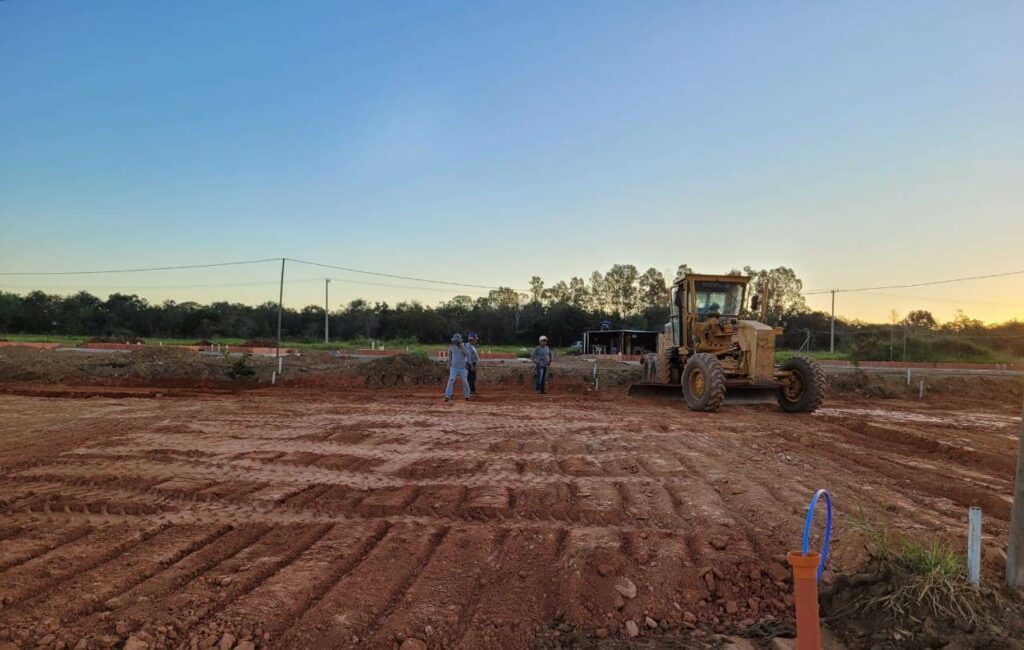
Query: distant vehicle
(576, 347)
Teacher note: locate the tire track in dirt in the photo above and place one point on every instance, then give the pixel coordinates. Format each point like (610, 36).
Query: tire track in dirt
(187, 608)
(514, 608)
(269, 609)
(912, 480)
(36, 541)
(43, 573)
(371, 590)
(131, 607)
(85, 592)
(472, 601)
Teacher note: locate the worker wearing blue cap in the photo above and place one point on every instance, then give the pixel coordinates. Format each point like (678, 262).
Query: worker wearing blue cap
(474, 359)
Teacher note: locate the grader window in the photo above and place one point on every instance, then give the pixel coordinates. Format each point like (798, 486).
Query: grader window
(718, 298)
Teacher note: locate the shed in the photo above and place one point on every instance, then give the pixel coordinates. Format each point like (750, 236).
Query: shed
(627, 342)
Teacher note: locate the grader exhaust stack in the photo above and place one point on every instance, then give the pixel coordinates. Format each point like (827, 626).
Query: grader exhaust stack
(709, 352)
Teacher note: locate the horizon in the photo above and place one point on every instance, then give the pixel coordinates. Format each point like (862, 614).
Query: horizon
(860, 145)
(166, 293)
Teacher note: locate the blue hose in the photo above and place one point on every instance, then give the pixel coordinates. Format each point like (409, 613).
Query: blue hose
(828, 527)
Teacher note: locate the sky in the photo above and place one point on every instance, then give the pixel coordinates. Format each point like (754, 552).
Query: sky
(859, 143)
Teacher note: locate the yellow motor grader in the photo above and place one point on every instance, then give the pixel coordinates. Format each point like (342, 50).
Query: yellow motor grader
(710, 350)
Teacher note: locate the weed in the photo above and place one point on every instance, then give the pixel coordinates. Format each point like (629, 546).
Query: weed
(917, 579)
(241, 369)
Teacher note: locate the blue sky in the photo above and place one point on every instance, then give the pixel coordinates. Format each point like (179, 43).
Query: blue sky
(860, 143)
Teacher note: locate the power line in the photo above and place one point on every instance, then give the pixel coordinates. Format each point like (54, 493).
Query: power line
(229, 284)
(154, 268)
(916, 284)
(880, 329)
(952, 300)
(243, 262)
(399, 277)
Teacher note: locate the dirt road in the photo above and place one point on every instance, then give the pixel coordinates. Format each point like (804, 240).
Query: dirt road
(363, 518)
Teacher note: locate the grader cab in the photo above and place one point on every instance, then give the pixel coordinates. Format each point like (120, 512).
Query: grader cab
(711, 350)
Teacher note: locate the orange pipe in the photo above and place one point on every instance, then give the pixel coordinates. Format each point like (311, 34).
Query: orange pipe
(805, 587)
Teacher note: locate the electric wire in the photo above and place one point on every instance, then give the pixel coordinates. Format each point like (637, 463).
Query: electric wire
(143, 270)
(916, 284)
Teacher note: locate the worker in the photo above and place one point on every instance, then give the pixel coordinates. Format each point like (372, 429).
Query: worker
(474, 359)
(541, 357)
(458, 359)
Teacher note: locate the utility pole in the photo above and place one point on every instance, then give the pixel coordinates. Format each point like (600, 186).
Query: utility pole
(832, 333)
(327, 311)
(1015, 548)
(892, 332)
(280, 303)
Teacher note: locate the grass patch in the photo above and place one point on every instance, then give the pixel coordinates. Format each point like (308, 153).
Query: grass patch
(918, 580)
(782, 355)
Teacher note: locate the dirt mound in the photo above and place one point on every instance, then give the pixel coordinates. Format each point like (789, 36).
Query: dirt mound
(880, 608)
(32, 364)
(403, 369)
(260, 343)
(895, 386)
(133, 340)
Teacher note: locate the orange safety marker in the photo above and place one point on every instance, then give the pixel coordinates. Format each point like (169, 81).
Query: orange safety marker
(805, 587)
(807, 567)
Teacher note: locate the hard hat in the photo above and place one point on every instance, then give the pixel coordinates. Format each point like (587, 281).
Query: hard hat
(472, 336)
(456, 338)
(543, 338)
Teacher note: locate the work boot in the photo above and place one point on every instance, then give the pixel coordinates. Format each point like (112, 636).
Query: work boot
(447, 399)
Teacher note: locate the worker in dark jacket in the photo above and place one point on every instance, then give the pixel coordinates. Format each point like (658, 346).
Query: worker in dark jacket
(541, 358)
(474, 359)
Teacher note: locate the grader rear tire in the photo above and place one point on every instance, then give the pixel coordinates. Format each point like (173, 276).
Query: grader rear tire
(663, 368)
(703, 382)
(806, 389)
(648, 369)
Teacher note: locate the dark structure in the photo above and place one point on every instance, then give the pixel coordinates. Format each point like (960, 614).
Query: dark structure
(631, 342)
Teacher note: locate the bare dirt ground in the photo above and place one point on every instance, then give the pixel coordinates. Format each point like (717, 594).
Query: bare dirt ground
(294, 517)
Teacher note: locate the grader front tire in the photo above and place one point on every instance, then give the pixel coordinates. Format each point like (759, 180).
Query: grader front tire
(703, 382)
(806, 388)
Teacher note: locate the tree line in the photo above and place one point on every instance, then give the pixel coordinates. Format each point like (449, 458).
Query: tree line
(622, 295)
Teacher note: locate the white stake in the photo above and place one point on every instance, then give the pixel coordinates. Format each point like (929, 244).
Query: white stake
(280, 365)
(974, 545)
(920, 390)
(273, 377)
(1015, 546)
(908, 376)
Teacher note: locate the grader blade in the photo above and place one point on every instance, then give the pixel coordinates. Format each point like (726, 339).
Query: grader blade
(734, 395)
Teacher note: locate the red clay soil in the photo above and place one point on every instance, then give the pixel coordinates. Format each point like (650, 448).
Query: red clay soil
(305, 517)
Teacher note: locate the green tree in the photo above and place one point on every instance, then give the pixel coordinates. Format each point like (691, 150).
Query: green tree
(780, 291)
(963, 324)
(536, 289)
(653, 291)
(920, 318)
(621, 286)
(597, 292)
(578, 294)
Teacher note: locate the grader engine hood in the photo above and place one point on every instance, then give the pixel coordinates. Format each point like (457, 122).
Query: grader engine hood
(757, 341)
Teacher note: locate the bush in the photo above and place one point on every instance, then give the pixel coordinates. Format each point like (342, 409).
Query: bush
(241, 369)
